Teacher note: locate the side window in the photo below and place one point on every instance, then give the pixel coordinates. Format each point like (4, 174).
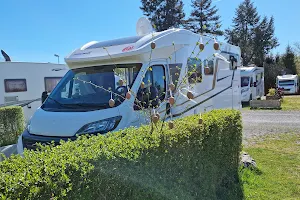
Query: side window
(208, 67)
(175, 70)
(51, 82)
(15, 85)
(194, 66)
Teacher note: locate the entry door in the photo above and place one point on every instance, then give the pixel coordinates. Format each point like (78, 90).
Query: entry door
(153, 94)
(236, 94)
(252, 88)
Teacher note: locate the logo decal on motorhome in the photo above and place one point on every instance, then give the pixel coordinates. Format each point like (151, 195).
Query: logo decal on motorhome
(129, 48)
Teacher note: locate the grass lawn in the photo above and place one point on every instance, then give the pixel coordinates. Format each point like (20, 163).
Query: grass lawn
(291, 103)
(278, 174)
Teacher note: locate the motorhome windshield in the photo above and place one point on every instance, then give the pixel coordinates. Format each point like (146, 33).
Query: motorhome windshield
(89, 88)
(245, 81)
(286, 83)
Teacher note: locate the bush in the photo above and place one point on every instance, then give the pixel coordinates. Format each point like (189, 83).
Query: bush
(11, 124)
(272, 92)
(191, 161)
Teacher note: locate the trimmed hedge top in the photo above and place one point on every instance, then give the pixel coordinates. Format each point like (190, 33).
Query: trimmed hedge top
(11, 124)
(191, 161)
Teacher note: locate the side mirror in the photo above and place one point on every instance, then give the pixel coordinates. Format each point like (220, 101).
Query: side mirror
(233, 62)
(44, 96)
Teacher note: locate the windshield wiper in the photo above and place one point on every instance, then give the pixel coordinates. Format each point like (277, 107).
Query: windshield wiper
(87, 105)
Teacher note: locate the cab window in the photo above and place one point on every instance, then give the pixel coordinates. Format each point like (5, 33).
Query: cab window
(154, 88)
(175, 70)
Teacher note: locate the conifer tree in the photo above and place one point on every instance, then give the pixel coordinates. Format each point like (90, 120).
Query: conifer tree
(204, 18)
(164, 14)
(254, 36)
(289, 60)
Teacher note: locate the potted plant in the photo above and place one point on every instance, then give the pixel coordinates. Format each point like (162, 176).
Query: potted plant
(274, 94)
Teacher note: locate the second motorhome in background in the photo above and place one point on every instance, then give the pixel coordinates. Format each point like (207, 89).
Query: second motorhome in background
(252, 82)
(288, 83)
(22, 83)
(150, 61)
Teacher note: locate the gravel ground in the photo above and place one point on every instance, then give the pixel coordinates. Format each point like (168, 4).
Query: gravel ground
(261, 122)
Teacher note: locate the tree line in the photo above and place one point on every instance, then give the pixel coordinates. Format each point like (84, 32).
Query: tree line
(253, 33)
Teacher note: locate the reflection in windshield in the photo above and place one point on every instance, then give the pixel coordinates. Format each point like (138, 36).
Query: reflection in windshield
(245, 81)
(92, 87)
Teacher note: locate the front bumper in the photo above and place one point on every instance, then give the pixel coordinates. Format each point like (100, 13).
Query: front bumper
(29, 140)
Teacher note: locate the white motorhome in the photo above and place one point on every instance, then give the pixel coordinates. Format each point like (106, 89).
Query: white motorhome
(150, 60)
(252, 83)
(22, 83)
(288, 83)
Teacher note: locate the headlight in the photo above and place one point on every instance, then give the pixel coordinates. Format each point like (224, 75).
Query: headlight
(102, 126)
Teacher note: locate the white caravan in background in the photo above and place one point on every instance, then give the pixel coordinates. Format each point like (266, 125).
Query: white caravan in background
(252, 83)
(85, 109)
(288, 83)
(22, 83)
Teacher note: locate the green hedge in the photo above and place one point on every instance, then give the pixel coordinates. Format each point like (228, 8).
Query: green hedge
(11, 124)
(191, 161)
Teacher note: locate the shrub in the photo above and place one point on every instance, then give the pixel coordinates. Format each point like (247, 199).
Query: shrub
(191, 161)
(11, 124)
(272, 92)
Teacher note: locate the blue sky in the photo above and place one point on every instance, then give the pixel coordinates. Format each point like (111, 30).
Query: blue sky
(34, 30)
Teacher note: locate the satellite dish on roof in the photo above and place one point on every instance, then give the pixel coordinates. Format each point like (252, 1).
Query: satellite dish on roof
(143, 26)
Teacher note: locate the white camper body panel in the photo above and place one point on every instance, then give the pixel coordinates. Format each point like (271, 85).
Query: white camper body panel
(252, 82)
(289, 83)
(219, 88)
(22, 83)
